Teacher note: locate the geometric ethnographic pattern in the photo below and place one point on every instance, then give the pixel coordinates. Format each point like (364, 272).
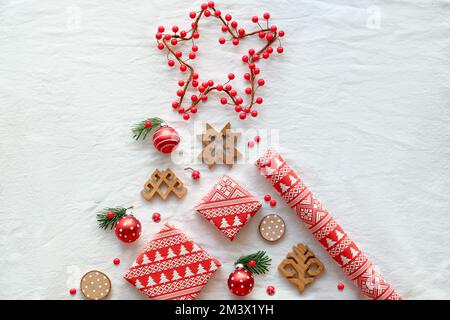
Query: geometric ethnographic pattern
(324, 228)
(228, 206)
(172, 267)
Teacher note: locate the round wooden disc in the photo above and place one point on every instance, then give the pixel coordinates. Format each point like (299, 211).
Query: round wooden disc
(272, 227)
(95, 285)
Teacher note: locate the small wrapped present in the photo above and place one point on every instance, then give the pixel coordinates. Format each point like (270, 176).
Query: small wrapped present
(228, 206)
(172, 267)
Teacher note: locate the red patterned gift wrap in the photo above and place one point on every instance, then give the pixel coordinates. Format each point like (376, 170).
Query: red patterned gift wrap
(172, 267)
(322, 225)
(228, 206)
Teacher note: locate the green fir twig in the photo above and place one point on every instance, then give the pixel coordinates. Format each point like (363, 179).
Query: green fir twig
(102, 216)
(262, 262)
(141, 130)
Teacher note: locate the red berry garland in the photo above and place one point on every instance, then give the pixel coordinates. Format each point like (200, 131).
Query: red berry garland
(268, 34)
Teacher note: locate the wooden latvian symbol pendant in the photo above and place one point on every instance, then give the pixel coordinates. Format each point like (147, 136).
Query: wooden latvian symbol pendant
(301, 267)
(219, 147)
(157, 183)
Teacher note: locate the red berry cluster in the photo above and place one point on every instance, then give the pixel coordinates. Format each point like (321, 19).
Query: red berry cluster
(170, 41)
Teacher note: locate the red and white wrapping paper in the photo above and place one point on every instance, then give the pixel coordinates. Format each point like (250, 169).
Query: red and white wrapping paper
(172, 267)
(324, 228)
(228, 206)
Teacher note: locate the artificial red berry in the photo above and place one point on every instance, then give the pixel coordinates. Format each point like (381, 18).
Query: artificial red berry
(223, 101)
(255, 19)
(228, 17)
(204, 98)
(210, 83)
(193, 25)
(192, 55)
(270, 37)
(266, 15)
(196, 35)
(231, 76)
(261, 34)
(194, 110)
(160, 46)
(211, 4)
(239, 100)
(186, 116)
(161, 29)
(171, 63)
(245, 59)
(270, 290)
(281, 33)
(156, 217)
(248, 90)
(181, 110)
(207, 13)
(73, 291)
(247, 76)
(174, 104)
(259, 100)
(235, 42)
(192, 15)
(116, 261)
(233, 93)
(256, 70)
(269, 50)
(181, 83)
(251, 66)
(251, 52)
(158, 36)
(252, 263)
(340, 286)
(195, 175)
(261, 82)
(167, 37)
(194, 98)
(180, 93)
(255, 57)
(204, 6)
(195, 76)
(217, 13)
(228, 87)
(178, 54)
(238, 108)
(242, 115)
(250, 144)
(273, 28)
(247, 109)
(195, 83)
(183, 68)
(234, 24)
(219, 87)
(241, 31)
(110, 215)
(267, 197)
(254, 113)
(194, 48)
(201, 89)
(183, 34)
(224, 28)
(273, 203)
(222, 40)
(257, 139)
(147, 124)
(175, 29)
(280, 49)
(266, 55)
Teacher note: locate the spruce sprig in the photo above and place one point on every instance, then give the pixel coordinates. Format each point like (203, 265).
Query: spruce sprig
(262, 262)
(141, 130)
(102, 216)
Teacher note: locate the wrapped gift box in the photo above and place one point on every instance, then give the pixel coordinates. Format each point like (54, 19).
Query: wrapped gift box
(228, 206)
(172, 267)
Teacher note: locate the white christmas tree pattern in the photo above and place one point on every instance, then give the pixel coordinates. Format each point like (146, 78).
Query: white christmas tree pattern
(339, 235)
(200, 269)
(354, 252)
(344, 260)
(139, 284)
(151, 282)
(170, 254)
(224, 224)
(212, 266)
(330, 243)
(158, 256)
(175, 275)
(236, 222)
(183, 250)
(195, 248)
(145, 259)
(163, 278)
(188, 272)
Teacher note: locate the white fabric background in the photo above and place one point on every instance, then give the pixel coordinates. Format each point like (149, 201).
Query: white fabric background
(360, 99)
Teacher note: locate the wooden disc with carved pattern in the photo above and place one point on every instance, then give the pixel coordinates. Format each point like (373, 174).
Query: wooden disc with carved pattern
(272, 227)
(95, 285)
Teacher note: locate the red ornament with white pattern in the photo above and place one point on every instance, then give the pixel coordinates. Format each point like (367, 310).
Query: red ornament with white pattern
(241, 281)
(128, 229)
(165, 138)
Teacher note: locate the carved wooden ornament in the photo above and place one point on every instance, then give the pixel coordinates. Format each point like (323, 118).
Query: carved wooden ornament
(157, 182)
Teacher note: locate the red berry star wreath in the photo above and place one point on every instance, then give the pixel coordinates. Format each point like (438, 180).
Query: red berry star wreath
(269, 34)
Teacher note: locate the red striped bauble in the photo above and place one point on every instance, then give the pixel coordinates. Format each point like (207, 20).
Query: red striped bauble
(166, 139)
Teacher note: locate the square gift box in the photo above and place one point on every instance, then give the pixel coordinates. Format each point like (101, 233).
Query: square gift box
(172, 267)
(228, 206)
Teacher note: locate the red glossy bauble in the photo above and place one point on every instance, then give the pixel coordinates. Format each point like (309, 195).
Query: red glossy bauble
(128, 229)
(166, 139)
(241, 281)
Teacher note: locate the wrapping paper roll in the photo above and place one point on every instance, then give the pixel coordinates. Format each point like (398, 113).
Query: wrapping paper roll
(324, 228)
